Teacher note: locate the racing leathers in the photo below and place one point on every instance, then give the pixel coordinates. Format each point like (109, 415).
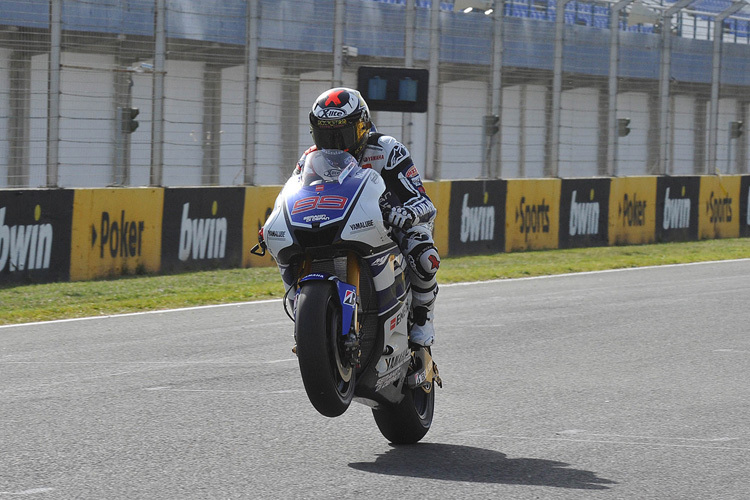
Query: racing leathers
(410, 212)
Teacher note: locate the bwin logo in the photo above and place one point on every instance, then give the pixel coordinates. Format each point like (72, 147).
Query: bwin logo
(584, 217)
(202, 238)
(25, 246)
(676, 212)
(477, 223)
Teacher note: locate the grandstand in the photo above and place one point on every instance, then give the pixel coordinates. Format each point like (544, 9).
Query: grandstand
(694, 22)
(194, 107)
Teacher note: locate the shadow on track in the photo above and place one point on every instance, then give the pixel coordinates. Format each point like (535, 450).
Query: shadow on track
(465, 463)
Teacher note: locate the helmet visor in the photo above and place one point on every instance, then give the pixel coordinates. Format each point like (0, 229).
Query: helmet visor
(335, 137)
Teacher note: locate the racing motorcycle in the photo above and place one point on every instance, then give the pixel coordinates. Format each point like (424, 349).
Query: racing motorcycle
(350, 302)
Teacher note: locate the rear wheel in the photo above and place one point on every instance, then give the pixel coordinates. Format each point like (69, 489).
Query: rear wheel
(328, 378)
(408, 421)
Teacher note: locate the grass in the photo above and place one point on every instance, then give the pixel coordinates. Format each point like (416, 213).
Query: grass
(42, 302)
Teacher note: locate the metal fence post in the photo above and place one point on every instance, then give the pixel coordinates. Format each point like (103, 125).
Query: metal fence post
(552, 165)
(431, 161)
(251, 91)
(406, 123)
(53, 93)
(614, 50)
(157, 127)
(664, 80)
(713, 126)
(495, 162)
(211, 136)
(19, 120)
(338, 42)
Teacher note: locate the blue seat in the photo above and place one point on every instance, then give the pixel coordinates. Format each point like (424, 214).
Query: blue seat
(601, 17)
(743, 28)
(517, 9)
(710, 5)
(520, 10)
(571, 12)
(537, 14)
(584, 15)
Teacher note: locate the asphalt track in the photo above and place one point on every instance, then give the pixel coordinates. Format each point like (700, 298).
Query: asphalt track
(628, 384)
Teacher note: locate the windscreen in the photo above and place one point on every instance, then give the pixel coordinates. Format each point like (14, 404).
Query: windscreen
(327, 165)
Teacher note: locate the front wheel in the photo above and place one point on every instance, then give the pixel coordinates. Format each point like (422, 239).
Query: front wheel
(328, 378)
(408, 421)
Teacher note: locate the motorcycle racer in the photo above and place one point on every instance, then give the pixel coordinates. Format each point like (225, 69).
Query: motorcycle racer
(340, 119)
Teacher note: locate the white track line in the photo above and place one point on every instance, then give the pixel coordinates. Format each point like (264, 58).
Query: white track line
(448, 285)
(584, 273)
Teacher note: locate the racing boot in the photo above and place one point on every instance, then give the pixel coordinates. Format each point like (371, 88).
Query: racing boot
(422, 330)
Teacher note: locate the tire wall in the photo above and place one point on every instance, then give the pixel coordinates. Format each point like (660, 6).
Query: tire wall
(81, 234)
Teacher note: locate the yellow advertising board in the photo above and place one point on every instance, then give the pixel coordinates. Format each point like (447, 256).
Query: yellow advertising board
(632, 210)
(116, 231)
(258, 206)
(532, 214)
(440, 194)
(719, 207)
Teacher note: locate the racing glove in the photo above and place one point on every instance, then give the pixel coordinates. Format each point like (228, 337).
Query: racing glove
(400, 216)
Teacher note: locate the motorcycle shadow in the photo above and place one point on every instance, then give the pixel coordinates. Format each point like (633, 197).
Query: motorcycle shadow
(465, 463)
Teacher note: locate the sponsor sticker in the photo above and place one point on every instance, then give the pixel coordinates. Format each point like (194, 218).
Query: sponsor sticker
(202, 228)
(719, 206)
(35, 235)
(361, 226)
(350, 298)
(632, 210)
(532, 214)
(584, 212)
(677, 202)
(328, 114)
(476, 217)
(316, 218)
(117, 231)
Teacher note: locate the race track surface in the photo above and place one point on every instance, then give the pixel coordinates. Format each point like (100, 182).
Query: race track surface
(628, 384)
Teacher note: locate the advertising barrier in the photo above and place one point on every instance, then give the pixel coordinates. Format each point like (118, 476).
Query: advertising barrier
(35, 227)
(57, 234)
(116, 231)
(744, 218)
(532, 214)
(202, 228)
(632, 210)
(719, 206)
(584, 212)
(476, 217)
(677, 200)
